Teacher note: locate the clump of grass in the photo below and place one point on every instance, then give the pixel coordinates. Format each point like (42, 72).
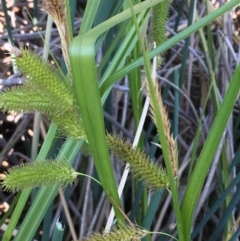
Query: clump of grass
(48, 92)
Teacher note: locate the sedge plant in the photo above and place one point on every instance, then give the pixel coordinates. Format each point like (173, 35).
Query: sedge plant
(54, 92)
(74, 104)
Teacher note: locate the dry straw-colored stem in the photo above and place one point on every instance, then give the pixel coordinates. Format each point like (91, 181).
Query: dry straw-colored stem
(57, 9)
(172, 148)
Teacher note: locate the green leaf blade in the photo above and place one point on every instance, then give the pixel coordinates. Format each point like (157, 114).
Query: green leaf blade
(206, 156)
(84, 74)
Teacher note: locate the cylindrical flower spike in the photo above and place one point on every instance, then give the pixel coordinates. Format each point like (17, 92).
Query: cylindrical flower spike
(39, 173)
(45, 91)
(159, 18)
(142, 166)
(24, 98)
(45, 77)
(124, 233)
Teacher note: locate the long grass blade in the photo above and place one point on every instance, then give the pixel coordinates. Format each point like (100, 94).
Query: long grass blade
(206, 156)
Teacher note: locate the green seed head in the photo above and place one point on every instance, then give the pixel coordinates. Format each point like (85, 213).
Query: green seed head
(123, 233)
(39, 173)
(142, 166)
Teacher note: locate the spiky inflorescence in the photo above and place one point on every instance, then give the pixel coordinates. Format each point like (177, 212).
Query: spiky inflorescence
(143, 167)
(39, 173)
(124, 233)
(70, 124)
(167, 133)
(44, 77)
(57, 9)
(159, 18)
(44, 91)
(26, 99)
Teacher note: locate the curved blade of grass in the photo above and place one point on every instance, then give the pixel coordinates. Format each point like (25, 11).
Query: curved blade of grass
(168, 44)
(82, 56)
(206, 156)
(82, 53)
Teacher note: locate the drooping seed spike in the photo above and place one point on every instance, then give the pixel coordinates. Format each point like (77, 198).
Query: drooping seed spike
(142, 166)
(123, 233)
(39, 173)
(41, 75)
(23, 98)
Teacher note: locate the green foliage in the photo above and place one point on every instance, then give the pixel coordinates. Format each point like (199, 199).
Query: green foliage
(85, 78)
(46, 92)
